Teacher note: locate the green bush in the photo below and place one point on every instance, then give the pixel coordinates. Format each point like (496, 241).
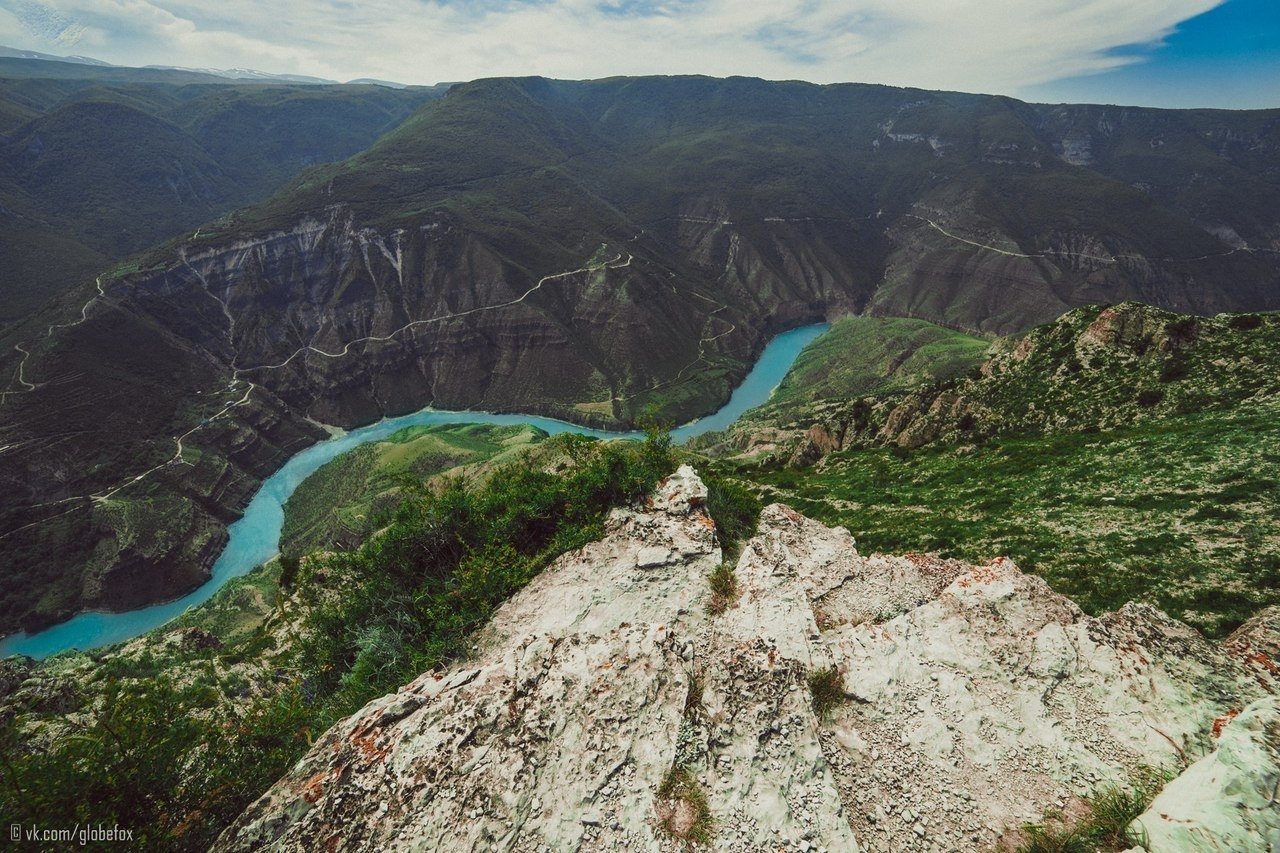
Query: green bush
(162, 760)
(735, 510)
(1149, 397)
(826, 688)
(289, 565)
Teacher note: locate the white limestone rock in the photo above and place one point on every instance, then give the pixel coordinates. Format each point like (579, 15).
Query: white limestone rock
(1227, 800)
(976, 699)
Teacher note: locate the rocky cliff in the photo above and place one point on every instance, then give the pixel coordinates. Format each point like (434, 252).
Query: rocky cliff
(592, 250)
(1093, 369)
(840, 702)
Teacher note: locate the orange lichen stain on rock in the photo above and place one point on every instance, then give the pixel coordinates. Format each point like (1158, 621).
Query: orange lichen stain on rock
(313, 788)
(1220, 723)
(790, 514)
(1265, 662)
(369, 749)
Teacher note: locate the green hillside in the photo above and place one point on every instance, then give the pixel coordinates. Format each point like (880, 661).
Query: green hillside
(1122, 453)
(862, 355)
(341, 504)
(99, 163)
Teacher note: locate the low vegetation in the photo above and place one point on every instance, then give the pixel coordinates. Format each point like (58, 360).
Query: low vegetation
(865, 355)
(354, 494)
(826, 689)
(1185, 514)
(724, 588)
(735, 508)
(1104, 824)
(174, 741)
(682, 809)
(1123, 454)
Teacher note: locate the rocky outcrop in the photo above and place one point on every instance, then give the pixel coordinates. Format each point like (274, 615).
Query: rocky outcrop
(817, 442)
(1226, 800)
(604, 708)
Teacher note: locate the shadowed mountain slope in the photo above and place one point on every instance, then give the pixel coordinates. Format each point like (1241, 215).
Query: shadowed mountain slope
(99, 163)
(596, 251)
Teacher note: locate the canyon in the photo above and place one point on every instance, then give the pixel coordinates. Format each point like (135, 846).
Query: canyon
(603, 252)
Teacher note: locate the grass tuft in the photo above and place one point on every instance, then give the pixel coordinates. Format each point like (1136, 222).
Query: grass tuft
(1105, 823)
(826, 686)
(724, 589)
(682, 808)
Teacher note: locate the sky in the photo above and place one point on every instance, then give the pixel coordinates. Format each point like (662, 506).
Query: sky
(1171, 53)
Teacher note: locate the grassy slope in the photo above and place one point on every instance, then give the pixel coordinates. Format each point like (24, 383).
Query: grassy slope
(339, 504)
(1175, 500)
(1185, 513)
(863, 355)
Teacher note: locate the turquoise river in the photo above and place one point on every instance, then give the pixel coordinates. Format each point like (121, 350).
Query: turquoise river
(254, 539)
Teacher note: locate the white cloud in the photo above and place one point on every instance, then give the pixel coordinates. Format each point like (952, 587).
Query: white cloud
(970, 45)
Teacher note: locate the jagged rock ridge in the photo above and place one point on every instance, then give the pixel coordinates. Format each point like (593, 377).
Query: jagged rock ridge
(976, 698)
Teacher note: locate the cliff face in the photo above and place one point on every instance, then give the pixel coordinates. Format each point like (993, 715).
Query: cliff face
(604, 708)
(595, 251)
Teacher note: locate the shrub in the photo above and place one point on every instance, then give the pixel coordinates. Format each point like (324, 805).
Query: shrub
(1244, 322)
(735, 510)
(1173, 369)
(826, 687)
(1149, 397)
(289, 565)
(724, 588)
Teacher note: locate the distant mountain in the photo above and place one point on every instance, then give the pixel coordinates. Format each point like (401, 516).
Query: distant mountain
(597, 251)
(228, 73)
(250, 74)
(18, 53)
(243, 74)
(371, 81)
(95, 166)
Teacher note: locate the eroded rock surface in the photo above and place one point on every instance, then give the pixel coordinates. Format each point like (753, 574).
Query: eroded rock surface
(975, 698)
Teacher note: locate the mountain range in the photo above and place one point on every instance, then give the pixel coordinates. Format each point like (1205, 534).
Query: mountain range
(99, 162)
(600, 251)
